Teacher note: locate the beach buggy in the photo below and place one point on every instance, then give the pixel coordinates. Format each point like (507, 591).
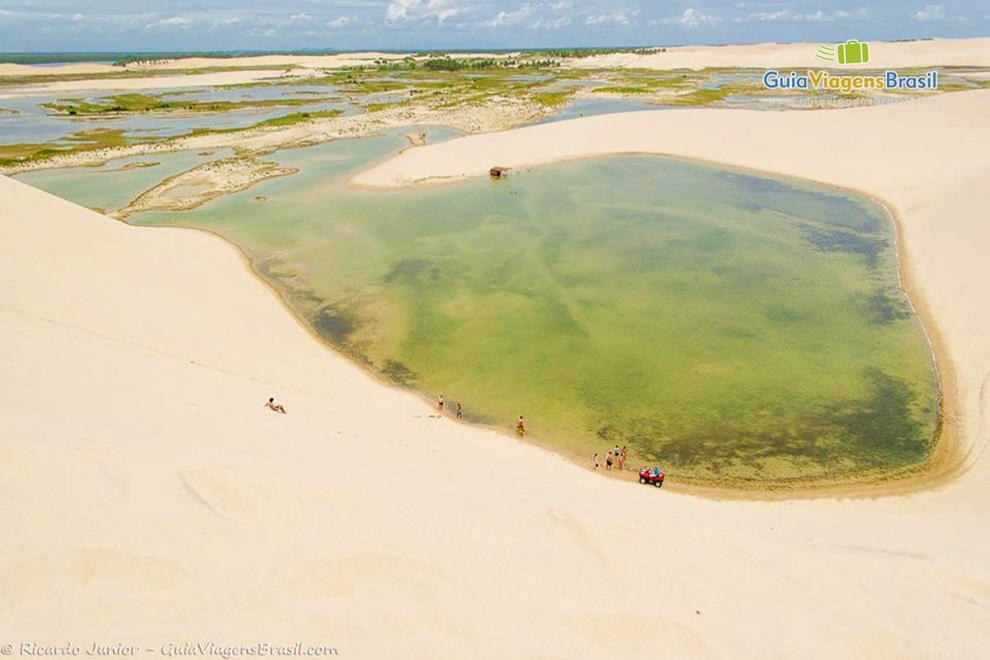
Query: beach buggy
(653, 477)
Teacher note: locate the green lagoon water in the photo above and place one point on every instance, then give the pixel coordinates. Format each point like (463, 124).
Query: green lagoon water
(735, 327)
(113, 185)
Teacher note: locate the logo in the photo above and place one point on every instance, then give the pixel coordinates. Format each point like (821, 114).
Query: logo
(851, 52)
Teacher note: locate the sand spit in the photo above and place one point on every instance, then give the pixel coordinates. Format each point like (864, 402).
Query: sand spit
(150, 82)
(199, 185)
(416, 139)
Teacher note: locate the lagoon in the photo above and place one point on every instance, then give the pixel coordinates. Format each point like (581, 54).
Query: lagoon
(738, 328)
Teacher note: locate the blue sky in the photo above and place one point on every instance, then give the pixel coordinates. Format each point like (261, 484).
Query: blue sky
(66, 25)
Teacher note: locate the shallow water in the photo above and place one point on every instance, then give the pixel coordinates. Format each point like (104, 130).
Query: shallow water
(32, 123)
(117, 182)
(733, 326)
(589, 107)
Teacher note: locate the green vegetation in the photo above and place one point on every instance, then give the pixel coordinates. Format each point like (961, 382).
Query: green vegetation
(551, 99)
(622, 90)
(294, 118)
(438, 81)
(95, 139)
(145, 103)
(89, 140)
(578, 53)
(704, 96)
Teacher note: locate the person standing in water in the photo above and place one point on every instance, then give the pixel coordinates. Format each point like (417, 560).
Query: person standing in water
(520, 426)
(440, 403)
(459, 415)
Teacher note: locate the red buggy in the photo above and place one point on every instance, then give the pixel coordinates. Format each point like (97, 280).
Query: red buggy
(646, 476)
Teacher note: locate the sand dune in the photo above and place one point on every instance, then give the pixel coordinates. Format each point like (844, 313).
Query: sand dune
(148, 497)
(883, 54)
(149, 82)
(11, 69)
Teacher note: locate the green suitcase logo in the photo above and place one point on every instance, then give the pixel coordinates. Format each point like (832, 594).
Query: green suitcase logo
(851, 52)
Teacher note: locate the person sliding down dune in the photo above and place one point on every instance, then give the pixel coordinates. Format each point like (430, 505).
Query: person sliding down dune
(277, 407)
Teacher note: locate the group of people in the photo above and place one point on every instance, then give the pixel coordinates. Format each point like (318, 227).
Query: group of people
(458, 411)
(616, 457)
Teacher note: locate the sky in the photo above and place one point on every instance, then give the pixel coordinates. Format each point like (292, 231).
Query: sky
(143, 25)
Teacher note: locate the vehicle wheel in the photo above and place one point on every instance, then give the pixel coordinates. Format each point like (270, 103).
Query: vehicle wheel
(642, 480)
(658, 484)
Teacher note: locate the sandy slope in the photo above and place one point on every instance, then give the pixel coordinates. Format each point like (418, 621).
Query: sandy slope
(147, 496)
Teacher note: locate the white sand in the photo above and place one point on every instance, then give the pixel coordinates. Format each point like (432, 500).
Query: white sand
(150, 82)
(147, 496)
(944, 52)
(11, 69)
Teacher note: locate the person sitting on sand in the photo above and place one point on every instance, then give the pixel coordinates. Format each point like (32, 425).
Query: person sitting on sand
(277, 407)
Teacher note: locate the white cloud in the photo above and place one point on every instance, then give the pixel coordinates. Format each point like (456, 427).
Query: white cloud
(341, 21)
(78, 17)
(929, 13)
(619, 16)
(507, 18)
(933, 13)
(415, 10)
(691, 17)
(174, 20)
(790, 16)
(551, 23)
(301, 17)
